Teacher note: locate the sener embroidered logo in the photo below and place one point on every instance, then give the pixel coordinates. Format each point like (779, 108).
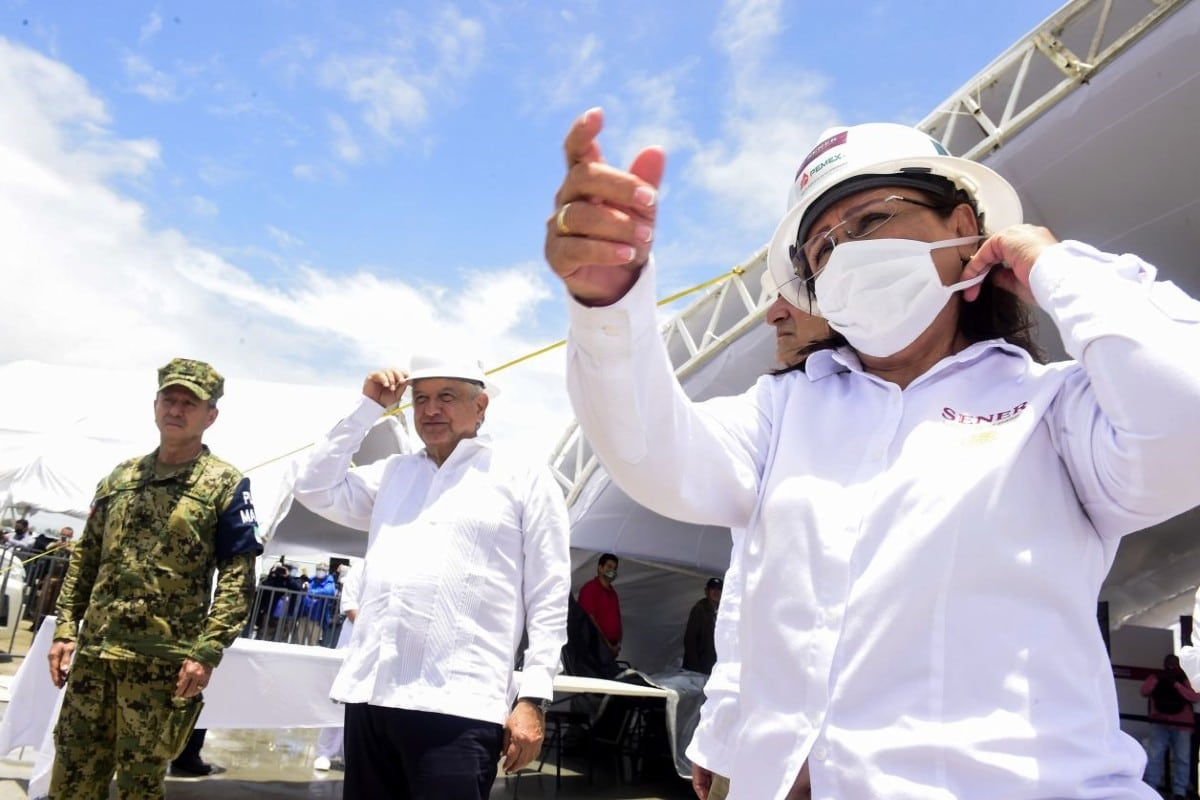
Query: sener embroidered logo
(994, 418)
(974, 430)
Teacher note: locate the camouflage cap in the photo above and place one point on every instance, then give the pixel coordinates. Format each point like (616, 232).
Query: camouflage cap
(197, 376)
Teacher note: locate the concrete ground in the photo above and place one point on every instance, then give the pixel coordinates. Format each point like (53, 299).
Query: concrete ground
(277, 764)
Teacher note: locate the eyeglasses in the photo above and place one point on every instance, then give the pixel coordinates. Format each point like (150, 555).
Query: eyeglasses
(859, 222)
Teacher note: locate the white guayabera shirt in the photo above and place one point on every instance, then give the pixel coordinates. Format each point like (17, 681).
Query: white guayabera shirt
(460, 561)
(922, 566)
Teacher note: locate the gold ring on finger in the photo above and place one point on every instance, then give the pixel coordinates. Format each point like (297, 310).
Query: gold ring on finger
(560, 221)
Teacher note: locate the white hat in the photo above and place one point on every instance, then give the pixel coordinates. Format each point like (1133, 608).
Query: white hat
(426, 365)
(907, 155)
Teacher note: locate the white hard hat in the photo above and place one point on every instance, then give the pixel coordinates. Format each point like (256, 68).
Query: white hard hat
(426, 365)
(906, 156)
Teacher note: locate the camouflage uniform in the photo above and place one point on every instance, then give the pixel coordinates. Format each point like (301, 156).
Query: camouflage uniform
(140, 583)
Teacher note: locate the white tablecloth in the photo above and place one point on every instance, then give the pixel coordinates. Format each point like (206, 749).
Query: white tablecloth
(257, 685)
(575, 684)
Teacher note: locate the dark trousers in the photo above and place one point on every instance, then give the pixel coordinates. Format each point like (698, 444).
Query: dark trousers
(418, 755)
(191, 751)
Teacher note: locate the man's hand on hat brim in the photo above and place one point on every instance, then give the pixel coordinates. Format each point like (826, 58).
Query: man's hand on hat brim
(385, 386)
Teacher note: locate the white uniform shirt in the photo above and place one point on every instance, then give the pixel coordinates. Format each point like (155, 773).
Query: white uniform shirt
(922, 566)
(460, 560)
(714, 734)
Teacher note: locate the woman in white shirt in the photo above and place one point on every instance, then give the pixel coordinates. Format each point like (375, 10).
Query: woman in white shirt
(929, 510)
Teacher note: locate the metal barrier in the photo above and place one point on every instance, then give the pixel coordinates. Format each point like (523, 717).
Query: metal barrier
(30, 582)
(294, 616)
(12, 590)
(30, 586)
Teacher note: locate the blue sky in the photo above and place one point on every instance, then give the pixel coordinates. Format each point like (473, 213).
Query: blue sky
(302, 191)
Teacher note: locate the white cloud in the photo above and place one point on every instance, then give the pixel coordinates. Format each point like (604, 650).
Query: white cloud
(389, 99)
(744, 26)
(93, 283)
(293, 58)
(773, 113)
(150, 27)
(304, 172)
(345, 146)
(202, 206)
(283, 239)
(575, 68)
(152, 84)
(659, 118)
(218, 172)
(395, 88)
(459, 42)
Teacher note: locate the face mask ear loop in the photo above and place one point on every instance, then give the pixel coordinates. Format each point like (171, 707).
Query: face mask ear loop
(967, 284)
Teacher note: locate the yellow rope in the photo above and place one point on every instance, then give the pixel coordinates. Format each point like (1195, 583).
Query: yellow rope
(26, 561)
(665, 301)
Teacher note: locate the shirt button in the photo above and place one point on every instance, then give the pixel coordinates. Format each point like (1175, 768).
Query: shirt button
(608, 330)
(820, 752)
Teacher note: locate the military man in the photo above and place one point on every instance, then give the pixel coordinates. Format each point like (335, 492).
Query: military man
(137, 638)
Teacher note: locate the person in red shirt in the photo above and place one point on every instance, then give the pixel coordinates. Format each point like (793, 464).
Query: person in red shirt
(1171, 697)
(599, 599)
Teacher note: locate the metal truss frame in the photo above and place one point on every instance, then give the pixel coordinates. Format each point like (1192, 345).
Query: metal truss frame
(1059, 56)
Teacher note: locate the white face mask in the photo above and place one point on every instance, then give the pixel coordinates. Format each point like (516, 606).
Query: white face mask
(881, 294)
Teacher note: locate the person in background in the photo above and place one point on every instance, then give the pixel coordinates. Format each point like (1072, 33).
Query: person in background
(1171, 696)
(43, 541)
(66, 540)
(47, 573)
(270, 595)
(699, 646)
(317, 613)
(289, 606)
(20, 535)
(600, 601)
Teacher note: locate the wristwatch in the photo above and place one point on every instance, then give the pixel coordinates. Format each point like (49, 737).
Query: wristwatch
(541, 703)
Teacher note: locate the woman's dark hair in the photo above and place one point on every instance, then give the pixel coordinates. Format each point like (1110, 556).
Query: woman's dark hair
(995, 313)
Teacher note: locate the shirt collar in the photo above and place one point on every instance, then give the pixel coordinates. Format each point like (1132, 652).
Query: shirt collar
(148, 472)
(464, 449)
(824, 363)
